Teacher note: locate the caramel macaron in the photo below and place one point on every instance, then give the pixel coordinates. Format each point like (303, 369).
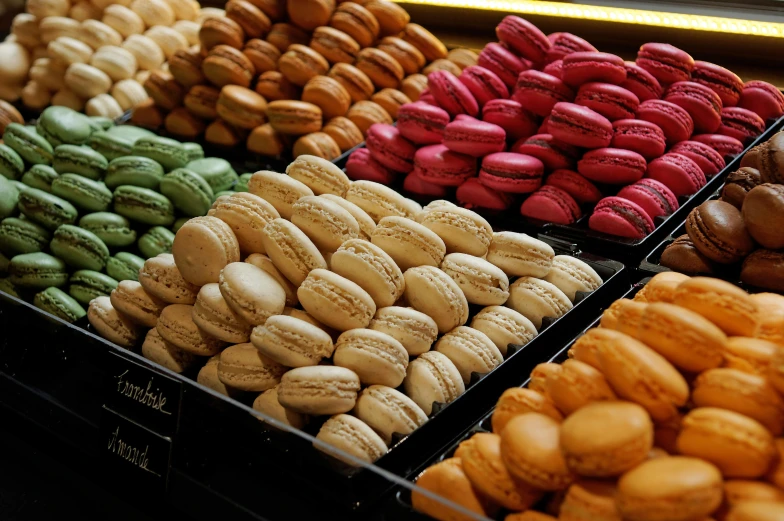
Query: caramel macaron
(345, 133)
(334, 45)
(447, 479)
(392, 18)
(267, 141)
(294, 117)
(263, 55)
(274, 86)
(441, 65)
(382, 69)
(408, 56)
(750, 355)
(164, 90)
(364, 114)
(592, 498)
(357, 22)
(300, 63)
(356, 82)
(724, 304)
(241, 107)
(202, 101)
(309, 14)
(253, 21)
(221, 31)
(390, 100)
(328, 94)
(282, 35)
(414, 85)
(430, 46)
(516, 401)
(185, 66)
(225, 65)
(577, 385)
(318, 144)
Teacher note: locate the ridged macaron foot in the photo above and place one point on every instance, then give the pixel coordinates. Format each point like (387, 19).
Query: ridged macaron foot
(203, 247)
(110, 324)
(377, 358)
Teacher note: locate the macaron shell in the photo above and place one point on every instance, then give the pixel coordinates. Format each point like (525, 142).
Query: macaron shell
(679, 173)
(652, 196)
(621, 217)
(551, 204)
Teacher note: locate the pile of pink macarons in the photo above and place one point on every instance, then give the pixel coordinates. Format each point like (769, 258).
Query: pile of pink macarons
(572, 128)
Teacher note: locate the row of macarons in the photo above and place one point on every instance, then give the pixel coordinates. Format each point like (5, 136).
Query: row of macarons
(631, 409)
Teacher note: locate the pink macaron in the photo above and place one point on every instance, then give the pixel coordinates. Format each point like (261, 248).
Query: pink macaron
(665, 62)
(554, 154)
(740, 123)
(709, 161)
(484, 84)
(579, 126)
(652, 196)
(724, 145)
(474, 195)
(426, 97)
(763, 98)
(538, 92)
(641, 82)
(451, 95)
(362, 167)
(438, 165)
(508, 114)
(581, 189)
(389, 148)
(524, 38)
(640, 136)
(586, 67)
(611, 101)
(551, 204)
(416, 186)
(620, 217)
(422, 123)
(612, 166)
(467, 135)
(562, 44)
(703, 105)
(503, 62)
(679, 173)
(722, 81)
(511, 173)
(673, 120)
(554, 69)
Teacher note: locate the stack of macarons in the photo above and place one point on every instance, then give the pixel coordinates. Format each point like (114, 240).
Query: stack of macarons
(84, 202)
(93, 55)
(577, 129)
(326, 297)
(291, 78)
(672, 409)
(743, 230)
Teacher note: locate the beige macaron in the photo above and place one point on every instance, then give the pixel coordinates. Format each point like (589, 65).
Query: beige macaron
(389, 412)
(319, 389)
(433, 292)
(208, 377)
(123, 20)
(463, 231)
(202, 247)
(161, 279)
(213, 315)
(292, 252)
(377, 358)
(366, 224)
(504, 326)
(169, 40)
(433, 378)
(520, 255)
(189, 29)
(149, 55)
(251, 292)
(335, 301)
(116, 62)
(371, 268)
(176, 326)
(536, 299)
(247, 215)
(280, 190)
(326, 223)
(380, 201)
(409, 243)
(154, 12)
(351, 436)
(243, 367)
(482, 282)
(128, 93)
(412, 328)
(87, 81)
(110, 324)
(267, 404)
(48, 72)
(470, 350)
(130, 299)
(265, 263)
(320, 175)
(97, 34)
(65, 51)
(570, 275)
(103, 105)
(292, 342)
(53, 27)
(166, 354)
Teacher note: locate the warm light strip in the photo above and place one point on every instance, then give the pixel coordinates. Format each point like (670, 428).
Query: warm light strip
(616, 14)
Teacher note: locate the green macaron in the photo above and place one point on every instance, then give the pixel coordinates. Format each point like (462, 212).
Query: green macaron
(179, 222)
(11, 164)
(130, 132)
(85, 285)
(37, 271)
(9, 198)
(41, 177)
(114, 230)
(7, 287)
(157, 240)
(216, 171)
(82, 160)
(223, 193)
(194, 150)
(22, 236)
(101, 123)
(46, 209)
(58, 303)
(124, 266)
(79, 248)
(143, 205)
(168, 152)
(134, 171)
(188, 191)
(110, 146)
(30, 146)
(242, 183)
(61, 126)
(83, 192)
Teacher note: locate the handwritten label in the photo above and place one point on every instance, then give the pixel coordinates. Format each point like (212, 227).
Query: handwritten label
(143, 394)
(138, 454)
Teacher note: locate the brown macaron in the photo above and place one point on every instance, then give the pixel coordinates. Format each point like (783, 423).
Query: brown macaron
(406, 54)
(366, 113)
(739, 183)
(357, 22)
(274, 86)
(318, 144)
(201, 101)
(390, 100)
(413, 86)
(762, 212)
(242, 107)
(336, 46)
(681, 255)
(382, 69)
(185, 66)
(309, 14)
(181, 123)
(253, 21)
(263, 55)
(282, 35)
(274, 9)
(344, 131)
(267, 141)
(225, 65)
(764, 269)
(328, 94)
(301, 63)
(392, 18)
(165, 91)
(147, 114)
(718, 232)
(356, 82)
(221, 31)
(221, 133)
(294, 117)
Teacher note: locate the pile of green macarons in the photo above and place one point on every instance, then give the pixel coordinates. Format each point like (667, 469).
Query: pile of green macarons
(84, 202)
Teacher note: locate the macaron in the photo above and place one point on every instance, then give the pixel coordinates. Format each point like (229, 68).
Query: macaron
(446, 479)
(22, 236)
(292, 342)
(243, 367)
(674, 121)
(28, 145)
(665, 62)
(470, 350)
(439, 165)
(512, 117)
(176, 325)
(524, 37)
(130, 299)
(641, 82)
(536, 299)
(762, 98)
(143, 205)
(518, 254)
(434, 293)
(251, 292)
(377, 358)
(46, 209)
(452, 96)
(538, 92)
(590, 66)
(551, 204)
(158, 350)
(463, 231)
(379, 201)
(86, 285)
(432, 378)
(725, 243)
(110, 324)
(737, 315)
(133, 170)
(709, 160)
(415, 330)
(114, 230)
(371, 268)
(83, 192)
(679, 173)
(197, 237)
(79, 248)
(579, 126)
(703, 105)
(319, 390)
(388, 411)
(482, 282)
(161, 279)
(355, 307)
(390, 148)
(362, 166)
(740, 123)
(408, 243)
(484, 84)
(292, 252)
(351, 436)
(58, 303)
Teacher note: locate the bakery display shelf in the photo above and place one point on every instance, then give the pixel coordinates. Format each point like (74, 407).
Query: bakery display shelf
(219, 443)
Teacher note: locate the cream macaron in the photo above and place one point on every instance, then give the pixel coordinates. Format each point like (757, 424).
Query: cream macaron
(412, 328)
(504, 326)
(247, 214)
(352, 436)
(388, 412)
(202, 247)
(325, 222)
(116, 62)
(470, 350)
(380, 201)
(570, 275)
(292, 252)
(377, 358)
(110, 324)
(463, 231)
(130, 299)
(433, 292)
(409, 243)
(162, 280)
(336, 301)
(520, 255)
(366, 223)
(292, 342)
(164, 353)
(371, 268)
(536, 299)
(265, 263)
(243, 367)
(213, 316)
(149, 56)
(280, 190)
(433, 378)
(176, 326)
(251, 292)
(320, 175)
(482, 283)
(267, 404)
(319, 389)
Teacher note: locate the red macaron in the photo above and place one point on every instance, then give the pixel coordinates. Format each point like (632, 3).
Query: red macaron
(652, 196)
(762, 98)
(611, 101)
(640, 136)
(503, 62)
(474, 195)
(703, 105)
(673, 120)
(524, 38)
(512, 117)
(484, 84)
(709, 161)
(665, 62)
(554, 69)
(389, 148)
(641, 82)
(724, 145)
(511, 173)
(620, 217)
(722, 81)
(554, 154)
(679, 173)
(551, 204)
(415, 185)
(740, 123)
(438, 165)
(585, 67)
(612, 166)
(538, 92)
(422, 123)
(581, 189)
(451, 95)
(579, 126)
(467, 135)
(362, 167)
(562, 44)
